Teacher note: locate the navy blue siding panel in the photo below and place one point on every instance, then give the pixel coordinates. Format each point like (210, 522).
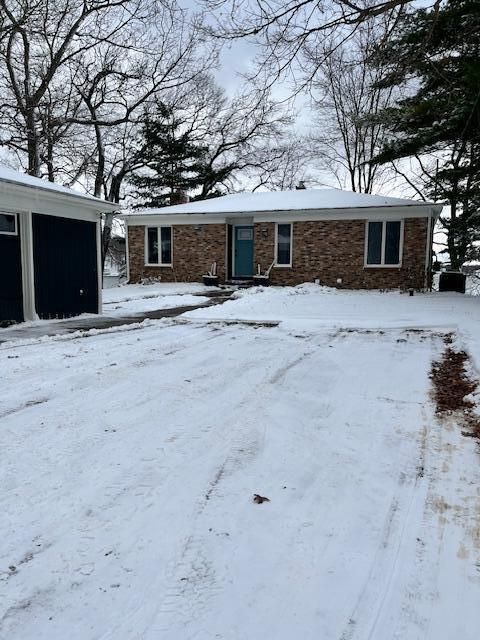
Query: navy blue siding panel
(11, 297)
(65, 265)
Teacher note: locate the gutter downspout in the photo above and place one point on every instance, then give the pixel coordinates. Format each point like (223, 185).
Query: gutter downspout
(99, 262)
(432, 219)
(127, 250)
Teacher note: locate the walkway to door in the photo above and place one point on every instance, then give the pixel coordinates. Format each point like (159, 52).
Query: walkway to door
(62, 327)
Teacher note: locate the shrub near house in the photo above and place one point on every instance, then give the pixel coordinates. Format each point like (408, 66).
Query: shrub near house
(337, 237)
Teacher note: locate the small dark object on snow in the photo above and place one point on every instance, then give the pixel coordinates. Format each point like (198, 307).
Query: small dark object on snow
(259, 499)
(410, 292)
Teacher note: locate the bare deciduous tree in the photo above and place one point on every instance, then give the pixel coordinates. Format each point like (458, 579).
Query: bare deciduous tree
(348, 102)
(86, 63)
(77, 75)
(37, 39)
(286, 28)
(246, 138)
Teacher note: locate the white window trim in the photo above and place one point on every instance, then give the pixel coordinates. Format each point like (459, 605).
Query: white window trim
(382, 264)
(15, 217)
(283, 266)
(158, 228)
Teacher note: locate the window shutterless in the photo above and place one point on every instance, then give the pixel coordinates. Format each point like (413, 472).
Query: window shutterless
(158, 246)
(283, 249)
(384, 243)
(8, 224)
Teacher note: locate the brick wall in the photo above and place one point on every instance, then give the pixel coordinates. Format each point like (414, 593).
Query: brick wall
(195, 247)
(326, 250)
(333, 249)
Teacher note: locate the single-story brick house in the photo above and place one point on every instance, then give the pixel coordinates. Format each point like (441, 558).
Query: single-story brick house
(335, 237)
(50, 252)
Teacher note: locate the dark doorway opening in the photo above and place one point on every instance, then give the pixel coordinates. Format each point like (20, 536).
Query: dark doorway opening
(11, 288)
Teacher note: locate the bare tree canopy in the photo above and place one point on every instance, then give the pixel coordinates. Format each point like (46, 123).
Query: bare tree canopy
(242, 140)
(348, 100)
(70, 63)
(286, 30)
(245, 135)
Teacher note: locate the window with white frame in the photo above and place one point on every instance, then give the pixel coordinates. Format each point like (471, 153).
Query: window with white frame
(384, 243)
(283, 248)
(8, 224)
(158, 246)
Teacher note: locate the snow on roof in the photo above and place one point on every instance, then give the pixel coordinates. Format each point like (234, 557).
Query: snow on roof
(297, 200)
(16, 177)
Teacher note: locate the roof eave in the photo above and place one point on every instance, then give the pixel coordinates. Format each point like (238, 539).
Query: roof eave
(88, 201)
(434, 208)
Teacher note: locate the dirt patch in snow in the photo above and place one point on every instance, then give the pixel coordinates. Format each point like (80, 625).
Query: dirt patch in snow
(453, 387)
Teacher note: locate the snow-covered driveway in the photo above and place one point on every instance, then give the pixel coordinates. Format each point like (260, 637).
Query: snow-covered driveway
(130, 299)
(129, 463)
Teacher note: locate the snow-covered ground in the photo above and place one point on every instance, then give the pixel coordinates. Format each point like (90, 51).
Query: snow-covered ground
(472, 284)
(130, 459)
(310, 306)
(125, 301)
(130, 299)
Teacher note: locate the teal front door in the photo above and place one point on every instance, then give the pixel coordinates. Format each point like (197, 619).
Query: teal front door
(243, 252)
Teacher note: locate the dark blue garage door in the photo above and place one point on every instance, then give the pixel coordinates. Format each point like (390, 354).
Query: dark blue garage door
(65, 265)
(11, 299)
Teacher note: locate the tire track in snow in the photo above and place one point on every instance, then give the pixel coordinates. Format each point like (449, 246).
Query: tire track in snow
(25, 405)
(376, 589)
(398, 521)
(194, 580)
(404, 515)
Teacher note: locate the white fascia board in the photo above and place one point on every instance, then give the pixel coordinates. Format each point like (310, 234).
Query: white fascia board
(168, 220)
(21, 198)
(362, 213)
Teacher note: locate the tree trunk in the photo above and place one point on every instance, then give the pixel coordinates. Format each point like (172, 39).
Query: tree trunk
(50, 165)
(100, 172)
(113, 195)
(33, 147)
(455, 261)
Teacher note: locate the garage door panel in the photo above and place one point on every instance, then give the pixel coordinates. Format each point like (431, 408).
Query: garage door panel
(65, 266)
(11, 298)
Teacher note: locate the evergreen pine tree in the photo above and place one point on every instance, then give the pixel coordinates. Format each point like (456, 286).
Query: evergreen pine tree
(437, 51)
(175, 162)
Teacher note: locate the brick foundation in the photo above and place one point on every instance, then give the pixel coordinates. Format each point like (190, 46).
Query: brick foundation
(324, 250)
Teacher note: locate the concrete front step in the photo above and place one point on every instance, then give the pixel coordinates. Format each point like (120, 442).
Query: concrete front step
(241, 283)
